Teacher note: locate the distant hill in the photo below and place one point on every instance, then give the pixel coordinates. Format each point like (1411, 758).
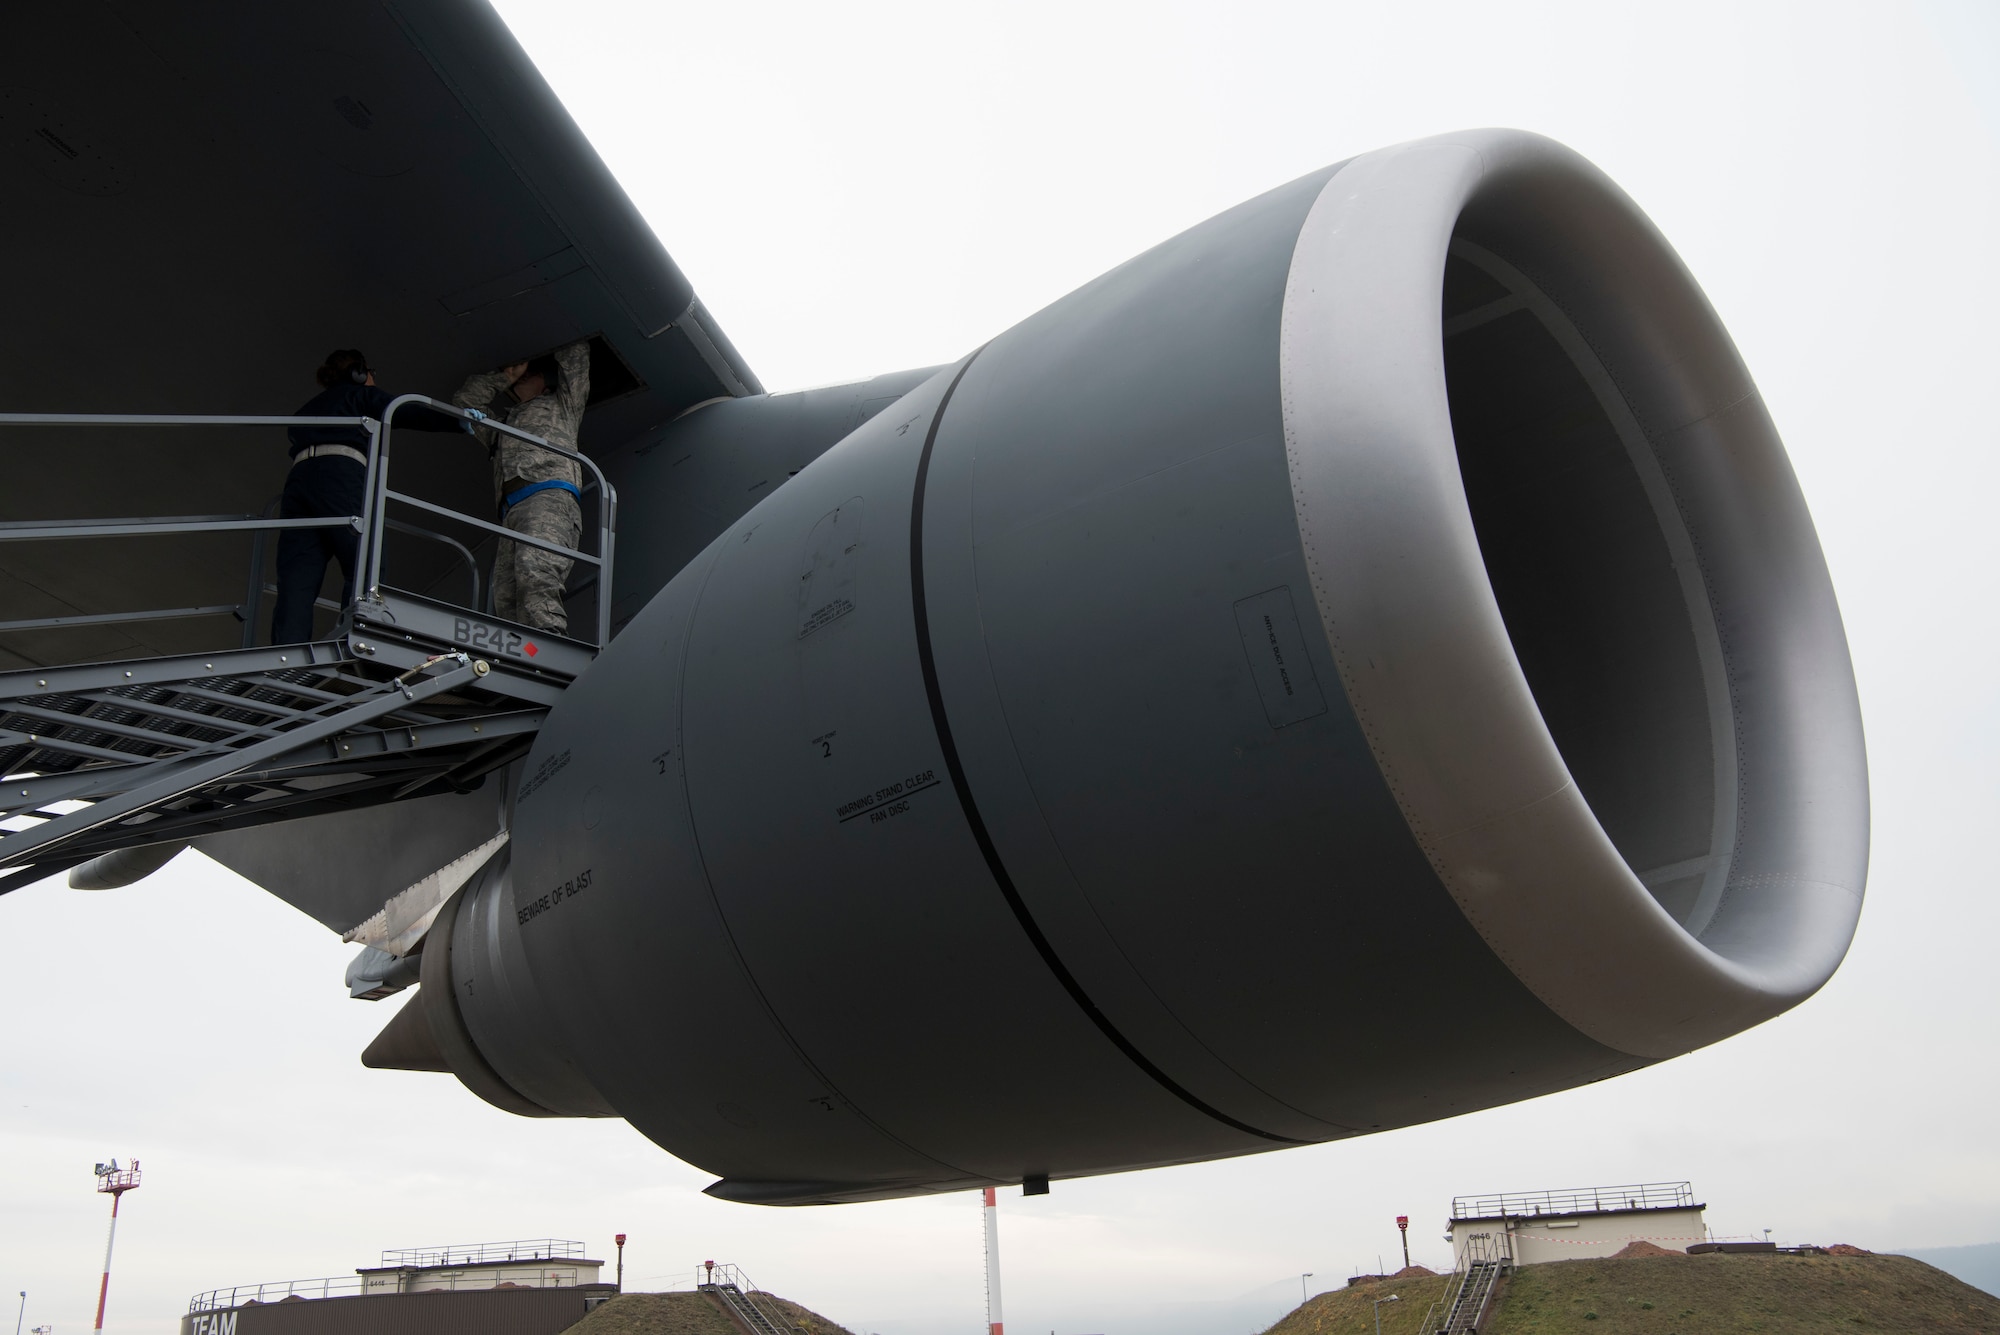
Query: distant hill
(683, 1313)
(1978, 1266)
(1683, 1295)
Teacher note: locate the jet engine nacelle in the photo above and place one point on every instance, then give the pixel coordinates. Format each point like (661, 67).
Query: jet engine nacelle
(1363, 660)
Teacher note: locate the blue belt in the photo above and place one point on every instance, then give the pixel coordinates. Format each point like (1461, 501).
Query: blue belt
(514, 498)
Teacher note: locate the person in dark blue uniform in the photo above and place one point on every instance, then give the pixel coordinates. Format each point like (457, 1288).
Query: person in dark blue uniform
(329, 474)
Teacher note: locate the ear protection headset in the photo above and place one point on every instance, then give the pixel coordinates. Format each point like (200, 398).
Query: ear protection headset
(351, 364)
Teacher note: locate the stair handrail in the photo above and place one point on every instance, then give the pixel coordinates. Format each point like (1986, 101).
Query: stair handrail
(723, 1278)
(1471, 1263)
(775, 1317)
(371, 525)
(251, 610)
(379, 495)
(736, 1300)
(1486, 1293)
(70, 529)
(1478, 1272)
(1457, 1303)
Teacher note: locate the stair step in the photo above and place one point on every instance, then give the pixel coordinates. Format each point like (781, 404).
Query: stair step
(127, 753)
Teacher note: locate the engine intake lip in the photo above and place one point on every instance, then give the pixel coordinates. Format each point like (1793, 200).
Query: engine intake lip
(1423, 649)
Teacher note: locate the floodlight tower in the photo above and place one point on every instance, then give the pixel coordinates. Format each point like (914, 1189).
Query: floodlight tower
(116, 1181)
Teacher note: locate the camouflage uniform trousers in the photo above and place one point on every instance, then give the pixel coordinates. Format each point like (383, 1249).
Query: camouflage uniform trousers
(527, 581)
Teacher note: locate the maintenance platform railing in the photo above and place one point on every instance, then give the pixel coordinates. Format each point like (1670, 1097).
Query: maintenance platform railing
(1576, 1200)
(412, 695)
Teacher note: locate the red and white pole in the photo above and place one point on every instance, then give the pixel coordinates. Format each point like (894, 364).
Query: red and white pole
(114, 1182)
(993, 1325)
(104, 1287)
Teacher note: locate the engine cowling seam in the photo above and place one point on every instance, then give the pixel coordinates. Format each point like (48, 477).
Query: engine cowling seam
(987, 849)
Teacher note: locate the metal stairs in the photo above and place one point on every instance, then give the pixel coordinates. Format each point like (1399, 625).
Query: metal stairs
(746, 1311)
(112, 755)
(1473, 1297)
(410, 696)
(739, 1298)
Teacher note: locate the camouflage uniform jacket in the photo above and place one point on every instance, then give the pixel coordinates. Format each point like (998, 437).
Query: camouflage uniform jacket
(553, 416)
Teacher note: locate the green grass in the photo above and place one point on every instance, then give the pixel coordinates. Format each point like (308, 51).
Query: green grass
(656, 1314)
(1349, 1311)
(1687, 1295)
(683, 1314)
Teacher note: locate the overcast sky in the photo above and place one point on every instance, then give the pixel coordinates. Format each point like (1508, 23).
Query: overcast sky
(862, 187)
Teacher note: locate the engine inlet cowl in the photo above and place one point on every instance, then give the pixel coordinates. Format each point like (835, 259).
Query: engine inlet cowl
(1574, 590)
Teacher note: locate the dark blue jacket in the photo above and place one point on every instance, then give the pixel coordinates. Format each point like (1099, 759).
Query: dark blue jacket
(352, 400)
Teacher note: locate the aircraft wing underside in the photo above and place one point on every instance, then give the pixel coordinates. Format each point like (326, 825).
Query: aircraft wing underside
(206, 199)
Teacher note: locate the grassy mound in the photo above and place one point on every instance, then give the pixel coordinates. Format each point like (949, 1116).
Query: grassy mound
(684, 1314)
(1350, 1311)
(1683, 1295)
(1697, 1295)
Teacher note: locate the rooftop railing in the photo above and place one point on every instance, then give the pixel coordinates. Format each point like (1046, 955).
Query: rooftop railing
(485, 1253)
(1576, 1200)
(355, 1286)
(333, 1286)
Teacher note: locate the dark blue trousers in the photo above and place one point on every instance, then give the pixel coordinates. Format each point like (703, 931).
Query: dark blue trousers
(315, 489)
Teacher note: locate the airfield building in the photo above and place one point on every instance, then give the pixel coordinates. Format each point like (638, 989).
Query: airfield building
(1530, 1227)
(536, 1286)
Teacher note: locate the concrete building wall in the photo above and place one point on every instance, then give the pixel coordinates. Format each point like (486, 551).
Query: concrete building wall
(532, 1273)
(1535, 1239)
(492, 1312)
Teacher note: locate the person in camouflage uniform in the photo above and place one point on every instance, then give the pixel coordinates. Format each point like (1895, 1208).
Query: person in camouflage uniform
(540, 493)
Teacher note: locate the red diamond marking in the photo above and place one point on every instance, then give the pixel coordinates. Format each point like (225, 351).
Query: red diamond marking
(529, 649)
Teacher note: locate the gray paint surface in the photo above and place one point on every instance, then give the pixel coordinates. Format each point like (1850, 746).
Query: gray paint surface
(700, 472)
(262, 184)
(1125, 488)
(342, 867)
(959, 754)
(1430, 658)
(1402, 556)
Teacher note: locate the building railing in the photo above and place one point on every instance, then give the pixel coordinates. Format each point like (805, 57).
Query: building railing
(355, 1286)
(485, 1253)
(372, 525)
(334, 1286)
(1576, 1200)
